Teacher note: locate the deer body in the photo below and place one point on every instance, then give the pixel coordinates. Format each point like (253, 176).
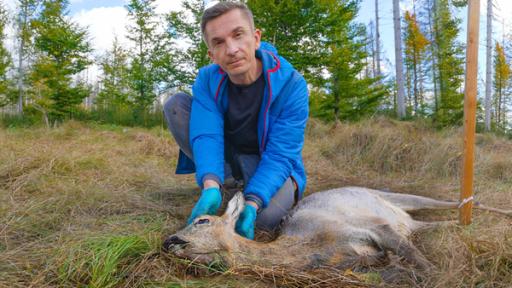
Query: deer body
(340, 228)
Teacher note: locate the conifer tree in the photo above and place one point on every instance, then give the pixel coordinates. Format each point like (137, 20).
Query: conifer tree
(63, 52)
(449, 66)
(488, 67)
(502, 72)
(5, 61)
(318, 37)
(148, 53)
(296, 28)
(351, 96)
(184, 26)
(431, 63)
(115, 90)
(401, 111)
(415, 46)
(377, 37)
(25, 34)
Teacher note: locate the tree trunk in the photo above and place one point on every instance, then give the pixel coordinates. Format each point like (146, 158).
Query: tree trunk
(372, 49)
(141, 71)
(398, 60)
(20, 76)
(500, 104)
(415, 84)
(377, 38)
(488, 76)
(433, 54)
(21, 56)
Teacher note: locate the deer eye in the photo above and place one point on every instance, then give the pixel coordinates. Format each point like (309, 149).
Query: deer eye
(202, 221)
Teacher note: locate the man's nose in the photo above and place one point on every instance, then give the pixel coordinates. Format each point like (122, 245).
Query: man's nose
(171, 241)
(232, 47)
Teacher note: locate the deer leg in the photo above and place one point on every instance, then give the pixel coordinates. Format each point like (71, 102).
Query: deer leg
(422, 225)
(410, 202)
(359, 263)
(389, 240)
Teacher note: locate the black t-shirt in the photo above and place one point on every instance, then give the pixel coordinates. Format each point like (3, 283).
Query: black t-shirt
(241, 117)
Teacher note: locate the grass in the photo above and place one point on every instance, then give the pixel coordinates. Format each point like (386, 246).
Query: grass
(104, 262)
(87, 205)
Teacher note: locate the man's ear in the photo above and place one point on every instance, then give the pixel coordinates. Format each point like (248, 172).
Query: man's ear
(235, 207)
(210, 55)
(257, 37)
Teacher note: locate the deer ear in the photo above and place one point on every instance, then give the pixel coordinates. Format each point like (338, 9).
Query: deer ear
(235, 207)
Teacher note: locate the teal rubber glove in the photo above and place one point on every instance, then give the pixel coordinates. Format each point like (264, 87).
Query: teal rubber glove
(208, 203)
(245, 224)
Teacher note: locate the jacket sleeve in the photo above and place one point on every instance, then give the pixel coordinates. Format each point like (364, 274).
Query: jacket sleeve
(206, 132)
(285, 140)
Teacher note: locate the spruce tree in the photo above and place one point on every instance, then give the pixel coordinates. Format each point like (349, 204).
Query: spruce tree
(400, 99)
(322, 41)
(148, 53)
(25, 34)
(5, 62)
(351, 96)
(450, 60)
(115, 91)
(415, 47)
(296, 28)
(63, 52)
(502, 73)
(184, 26)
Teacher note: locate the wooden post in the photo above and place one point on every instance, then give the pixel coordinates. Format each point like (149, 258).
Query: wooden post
(470, 92)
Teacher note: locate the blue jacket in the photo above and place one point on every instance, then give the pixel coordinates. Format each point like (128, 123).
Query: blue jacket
(281, 124)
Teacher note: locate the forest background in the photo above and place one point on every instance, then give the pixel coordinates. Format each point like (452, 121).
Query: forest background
(51, 71)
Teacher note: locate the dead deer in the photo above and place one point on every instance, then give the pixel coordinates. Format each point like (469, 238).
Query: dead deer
(340, 228)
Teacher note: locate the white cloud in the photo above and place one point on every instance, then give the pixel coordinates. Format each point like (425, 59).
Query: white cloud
(10, 4)
(502, 10)
(106, 22)
(103, 24)
(165, 6)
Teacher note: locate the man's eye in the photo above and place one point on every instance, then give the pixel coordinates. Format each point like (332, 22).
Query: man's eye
(202, 221)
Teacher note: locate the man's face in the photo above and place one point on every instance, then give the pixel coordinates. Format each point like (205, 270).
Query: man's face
(232, 43)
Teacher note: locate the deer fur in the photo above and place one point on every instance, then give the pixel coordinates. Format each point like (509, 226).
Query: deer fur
(341, 228)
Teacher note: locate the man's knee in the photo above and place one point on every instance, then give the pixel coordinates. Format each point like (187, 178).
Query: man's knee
(279, 206)
(177, 103)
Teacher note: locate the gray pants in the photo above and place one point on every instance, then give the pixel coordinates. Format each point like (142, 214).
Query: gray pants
(177, 114)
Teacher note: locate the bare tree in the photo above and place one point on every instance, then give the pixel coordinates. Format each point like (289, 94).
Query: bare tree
(433, 50)
(488, 76)
(371, 49)
(26, 11)
(399, 61)
(377, 38)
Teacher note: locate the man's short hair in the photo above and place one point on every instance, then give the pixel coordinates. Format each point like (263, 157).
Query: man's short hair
(222, 8)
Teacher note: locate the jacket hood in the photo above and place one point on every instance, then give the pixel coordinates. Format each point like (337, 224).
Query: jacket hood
(268, 47)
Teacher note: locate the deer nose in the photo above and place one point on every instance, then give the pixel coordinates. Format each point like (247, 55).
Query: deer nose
(171, 241)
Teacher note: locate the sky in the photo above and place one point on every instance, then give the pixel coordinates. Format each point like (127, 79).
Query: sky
(107, 19)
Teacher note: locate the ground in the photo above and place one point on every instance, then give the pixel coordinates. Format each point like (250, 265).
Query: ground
(89, 204)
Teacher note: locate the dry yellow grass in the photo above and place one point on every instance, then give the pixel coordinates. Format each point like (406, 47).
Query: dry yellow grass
(88, 205)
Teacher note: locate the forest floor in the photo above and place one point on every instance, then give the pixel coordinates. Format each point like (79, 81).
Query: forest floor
(88, 205)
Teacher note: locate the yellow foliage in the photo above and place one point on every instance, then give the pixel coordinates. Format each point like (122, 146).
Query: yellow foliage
(415, 41)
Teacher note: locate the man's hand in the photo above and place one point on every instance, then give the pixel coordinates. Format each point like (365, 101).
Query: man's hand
(208, 203)
(245, 224)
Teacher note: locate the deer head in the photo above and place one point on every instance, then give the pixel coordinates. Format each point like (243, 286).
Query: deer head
(209, 238)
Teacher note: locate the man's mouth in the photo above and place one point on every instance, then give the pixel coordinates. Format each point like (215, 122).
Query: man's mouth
(235, 62)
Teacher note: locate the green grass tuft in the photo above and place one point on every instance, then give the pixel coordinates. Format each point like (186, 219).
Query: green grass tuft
(105, 261)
